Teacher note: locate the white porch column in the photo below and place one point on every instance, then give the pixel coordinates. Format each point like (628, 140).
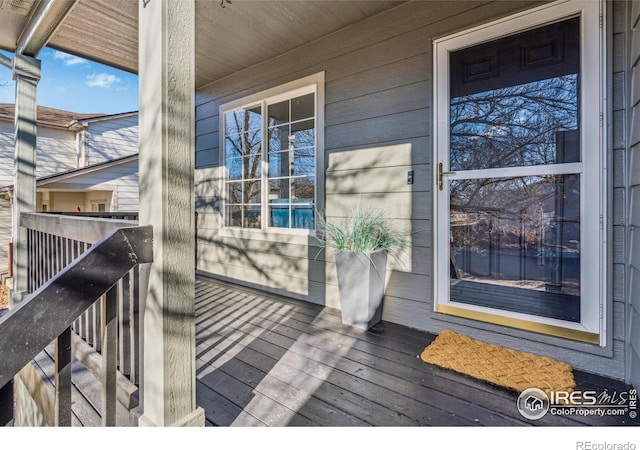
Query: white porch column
(26, 73)
(166, 80)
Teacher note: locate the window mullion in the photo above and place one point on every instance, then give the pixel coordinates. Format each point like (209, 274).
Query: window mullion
(264, 178)
(290, 174)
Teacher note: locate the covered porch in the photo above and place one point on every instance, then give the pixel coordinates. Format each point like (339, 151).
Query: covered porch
(218, 354)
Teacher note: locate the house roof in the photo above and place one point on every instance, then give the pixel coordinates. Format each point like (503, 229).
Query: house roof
(78, 172)
(51, 116)
(230, 35)
(59, 117)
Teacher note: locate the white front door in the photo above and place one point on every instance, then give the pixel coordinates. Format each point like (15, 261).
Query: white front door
(518, 173)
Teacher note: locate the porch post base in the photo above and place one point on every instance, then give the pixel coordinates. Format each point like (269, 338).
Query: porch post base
(195, 419)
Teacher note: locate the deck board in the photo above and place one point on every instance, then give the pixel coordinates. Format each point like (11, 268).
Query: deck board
(269, 360)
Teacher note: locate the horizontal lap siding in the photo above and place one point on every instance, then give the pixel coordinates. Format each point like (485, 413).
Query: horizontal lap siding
(121, 179)
(7, 151)
(633, 367)
(56, 151)
(111, 139)
(378, 126)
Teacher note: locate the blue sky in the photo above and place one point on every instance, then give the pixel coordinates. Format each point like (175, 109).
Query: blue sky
(75, 84)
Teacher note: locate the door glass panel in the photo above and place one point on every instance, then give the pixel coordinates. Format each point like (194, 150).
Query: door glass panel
(514, 101)
(515, 244)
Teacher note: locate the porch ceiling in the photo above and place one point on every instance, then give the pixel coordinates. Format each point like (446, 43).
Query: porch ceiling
(228, 39)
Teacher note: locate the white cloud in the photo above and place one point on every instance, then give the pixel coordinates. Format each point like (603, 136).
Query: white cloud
(69, 60)
(102, 80)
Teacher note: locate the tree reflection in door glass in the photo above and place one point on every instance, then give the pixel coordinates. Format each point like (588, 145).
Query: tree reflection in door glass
(524, 125)
(515, 244)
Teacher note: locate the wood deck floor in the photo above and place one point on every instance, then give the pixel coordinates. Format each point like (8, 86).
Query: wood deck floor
(264, 360)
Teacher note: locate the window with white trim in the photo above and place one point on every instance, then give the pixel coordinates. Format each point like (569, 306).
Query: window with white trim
(270, 148)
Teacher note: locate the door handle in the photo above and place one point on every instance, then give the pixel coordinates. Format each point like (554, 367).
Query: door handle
(440, 174)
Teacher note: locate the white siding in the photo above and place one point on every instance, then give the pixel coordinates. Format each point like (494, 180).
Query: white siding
(56, 151)
(111, 139)
(6, 153)
(122, 180)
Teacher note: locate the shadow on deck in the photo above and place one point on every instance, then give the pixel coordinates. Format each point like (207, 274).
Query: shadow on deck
(265, 360)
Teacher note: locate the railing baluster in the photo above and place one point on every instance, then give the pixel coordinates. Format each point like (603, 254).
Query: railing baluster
(39, 260)
(136, 326)
(109, 356)
(124, 324)
(47, 258)
(74, 252)
(63, 379)
(96, 324)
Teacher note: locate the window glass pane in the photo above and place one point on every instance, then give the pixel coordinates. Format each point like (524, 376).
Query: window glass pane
(279, 215)
(304, 162)
(279, 164)
(234, 168)
(304, 136)
(515, 101)
(244, 144)
(279, 138)
(279, 190)
(303, 189)
(243, 120)
(234, 193)
(252, 192)
(234, 216)
(252, 216)
(234, 146)
(278, 113)
(304, 133)
(252, 167)
(303, 216)
(303, 107)
(515, 244)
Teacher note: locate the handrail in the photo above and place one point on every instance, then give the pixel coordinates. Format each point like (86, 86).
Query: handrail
(81, 228)
(49, 311)
(121, 215)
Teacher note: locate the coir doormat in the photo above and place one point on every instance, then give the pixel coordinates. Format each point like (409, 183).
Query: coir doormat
(498, 365)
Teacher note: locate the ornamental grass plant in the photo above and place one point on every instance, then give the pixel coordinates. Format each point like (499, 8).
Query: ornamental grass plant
(366, 230)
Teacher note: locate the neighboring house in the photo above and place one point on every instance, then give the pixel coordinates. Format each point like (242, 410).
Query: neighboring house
(85, 162)
(519, 101)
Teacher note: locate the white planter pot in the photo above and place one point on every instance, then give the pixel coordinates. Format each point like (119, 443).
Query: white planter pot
(361, 282)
